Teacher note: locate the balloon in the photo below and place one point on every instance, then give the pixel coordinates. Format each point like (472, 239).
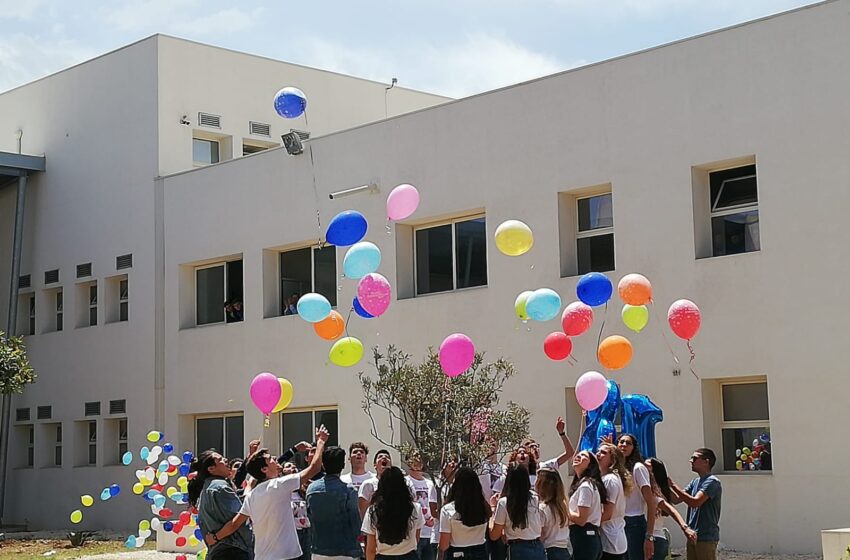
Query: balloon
(577, 318)
(144, 453)
(114, 490)
(514, 238)
(402, 202)
(313, 307)
(374, 293)
(140, 542)
(543, 304)
(635, 289)
(76, 516)
(594, 288)
(193, 540)
(187, 455)
(127, 458)
(105, 495)
(86, 500)
(557, 346)
(737, 453)
(290, 102)
(173, 460)
(600, 420)
(156, 450)
(168, 525)
(615, 352)
(184, 517)
(184, 468)
(265, 392)
(166, 513)
(156, 524)
(285, 394)
(591, 390)
(359, 309)
(168, 448)
(144, 525)
(346, 352)
(171, 491)
(739, 465)
(361, 259)
(131, 542)
(765, 438)
(456, 354)
(159, 500)
(640, 415)
(346, 228)
(198, 534)
(331, 327)
(520, 305)
(144, 533)
(635, 317)
(684, 318)
(181, 541)
(154, 436)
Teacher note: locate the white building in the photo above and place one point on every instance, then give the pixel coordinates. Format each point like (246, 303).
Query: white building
(644, 163)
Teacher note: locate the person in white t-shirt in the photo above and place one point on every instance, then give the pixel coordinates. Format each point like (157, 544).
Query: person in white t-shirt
(299, 513)
(393, 519)
(358, 452)
(618, 484)
(555, 511)
(269, 504)
(664, 498)
(528, 454)
(426, 496)
(446, 480)
(383, 461)
(587, 494)
(640, 503)
(464, 519)
(518, 517)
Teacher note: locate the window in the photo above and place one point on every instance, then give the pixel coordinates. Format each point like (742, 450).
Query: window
(204, 152)
(57, 452)
(311, 269)
(31, 329)
(248, 149)
(300, 425)
(123, 300)
(223, 433)
(734, 211)
(745, 426)
(595, 233)
(59, 311)
(30, 446)
(451, 256)
(93, 305)
(92, 458)
(218, 290)
(122, 438)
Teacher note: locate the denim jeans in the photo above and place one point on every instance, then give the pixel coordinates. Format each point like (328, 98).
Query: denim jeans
(557, 553)
(478, 552)
(425, 551)
(497, 549)
(586, 541)
(526, 550)
(306, 544)
(635, 536)
(662, 547)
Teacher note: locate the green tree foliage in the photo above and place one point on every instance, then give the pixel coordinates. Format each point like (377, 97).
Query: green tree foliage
(15, 368)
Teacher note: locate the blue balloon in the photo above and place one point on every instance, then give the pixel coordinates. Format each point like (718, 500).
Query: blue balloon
(114, 490)
(361, 259)
(184, 469)
(127, 458)
(640, 415)
(346, 228)
(360, 311)
(600, 422)
(543, 304)
(594, 289)
(168, 526)
(159, 500)
(131, 542)
(168, 448)
(187, 457)
(105, 495)
(144, 453)
(199, 535)
(313, 307)
(290, 102)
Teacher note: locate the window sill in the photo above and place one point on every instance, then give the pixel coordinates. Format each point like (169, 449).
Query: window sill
(24, 468)
(433, 294)
(85, 466)
(576, 276)
(732, 256)
(51, 467)
(745, 473)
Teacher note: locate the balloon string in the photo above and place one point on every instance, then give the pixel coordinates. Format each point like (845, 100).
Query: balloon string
(602, 328)
(691, 361)
(664, 336)
(315, 190)
(347, 319)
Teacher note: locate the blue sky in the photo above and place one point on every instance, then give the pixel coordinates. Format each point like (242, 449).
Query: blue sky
(452, 47)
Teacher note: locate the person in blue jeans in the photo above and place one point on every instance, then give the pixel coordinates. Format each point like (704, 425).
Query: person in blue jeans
(640, 502)
(463, 520)
(664, 498)
(587, 494)
(393, 520)
(333, 512)
(517, 516)
(703, 496)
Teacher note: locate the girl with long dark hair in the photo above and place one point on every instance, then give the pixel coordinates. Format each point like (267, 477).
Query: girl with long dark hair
(215, 497)
(640, 504)
(518, 517)
(587, 494)
(554, 509)
(463, 520)
(663, 498)
(392, 521)
(618, 484)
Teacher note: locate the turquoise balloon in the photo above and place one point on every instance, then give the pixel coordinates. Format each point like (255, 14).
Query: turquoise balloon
(313, 307)
(127, 458)
(543, 304)
(361, 259)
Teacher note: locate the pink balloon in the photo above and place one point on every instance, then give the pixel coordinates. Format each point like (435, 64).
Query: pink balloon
(591, 390)
(577, 318)
(684, 318)
(402, 202)
(456, 354)
(374, 293)
(265, 392)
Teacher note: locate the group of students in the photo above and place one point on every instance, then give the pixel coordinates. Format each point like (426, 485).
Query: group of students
(614, 507)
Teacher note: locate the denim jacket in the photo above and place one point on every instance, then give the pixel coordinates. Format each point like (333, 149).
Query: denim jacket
(334, 517)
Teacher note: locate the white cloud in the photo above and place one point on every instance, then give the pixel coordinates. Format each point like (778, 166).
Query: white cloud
(148, 14)
(24, 58)
(231, 20)
(180, 17)
(20, 9)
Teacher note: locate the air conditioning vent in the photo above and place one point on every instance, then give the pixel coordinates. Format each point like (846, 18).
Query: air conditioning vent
(24, 282)
(93, 408)
(84, 270)
(44, 412)
(118, 407)
(211, 121)
(302, 134)
(22, 415)
(51, 276)
(124, 261)
(260, 129)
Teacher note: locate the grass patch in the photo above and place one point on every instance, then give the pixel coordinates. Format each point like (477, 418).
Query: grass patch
(35, 549)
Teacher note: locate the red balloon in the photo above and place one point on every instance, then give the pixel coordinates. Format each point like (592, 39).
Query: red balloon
(185, 517)
(557, 346)
(577, 318)
(181, 541)
(165, 513)
(178, 527)
(684, 318)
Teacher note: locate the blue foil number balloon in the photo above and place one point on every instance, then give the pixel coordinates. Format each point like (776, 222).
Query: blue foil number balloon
(290, 102)
(638, 414)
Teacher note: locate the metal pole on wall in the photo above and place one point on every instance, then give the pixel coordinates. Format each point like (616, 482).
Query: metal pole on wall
(6, 412)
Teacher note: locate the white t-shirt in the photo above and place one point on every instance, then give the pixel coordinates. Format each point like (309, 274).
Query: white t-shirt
(435, 530)
(299, 511)
(269, 506)
(658, 529)
(462, 535)
(586, 495)
(499, 485)
(534, 524)
(407, 545)
(356, 480)
(368, 487)
(635, 505)
(614, 530)
(424, 493)
(490, 475)
(553, 534)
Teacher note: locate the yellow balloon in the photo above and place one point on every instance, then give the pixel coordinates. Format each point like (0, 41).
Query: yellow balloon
(193, 541)
(182, 481)
(514, 238)
(346, 352)
(285, 394)
(154, 436)
(635, 316)
(138, 488)
(519, 305)
(86, 500)
(76, 516)
(144, 525)
(171, 491)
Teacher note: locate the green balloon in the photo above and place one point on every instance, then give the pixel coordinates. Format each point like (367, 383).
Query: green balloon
(76, 516)
(346, 352)
(635, 316)
(519, 305)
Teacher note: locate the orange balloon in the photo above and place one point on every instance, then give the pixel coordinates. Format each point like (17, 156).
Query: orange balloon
(635, 289)
(331, 327)
(615, 352)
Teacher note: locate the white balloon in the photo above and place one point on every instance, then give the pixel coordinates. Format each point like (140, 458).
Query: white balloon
(144, 533)
(163, 479)
(156, 450)
(155, 523)
(174, 460)
(140, 542)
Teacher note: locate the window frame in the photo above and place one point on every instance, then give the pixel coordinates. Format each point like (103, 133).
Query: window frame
(225, 284)
(736, 424)
(92, 443)
(123, 440)
(223, 417)
(31, 322)
(92, 306)
(452, 222)
(197, 163)
(312, 410)
(734, 209)
(30, 446)
(313, 248)
(124, 300)
(593, 232)
(59, 305)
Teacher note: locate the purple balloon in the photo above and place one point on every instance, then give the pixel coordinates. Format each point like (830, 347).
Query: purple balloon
(374, 293)
(265, 392)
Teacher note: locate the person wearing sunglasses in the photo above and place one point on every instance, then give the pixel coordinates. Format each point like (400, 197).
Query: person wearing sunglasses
(703, 497)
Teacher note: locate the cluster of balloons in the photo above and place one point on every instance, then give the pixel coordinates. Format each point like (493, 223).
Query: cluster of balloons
(757, 458)
(270, 393)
